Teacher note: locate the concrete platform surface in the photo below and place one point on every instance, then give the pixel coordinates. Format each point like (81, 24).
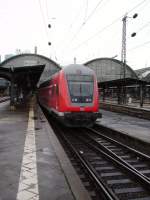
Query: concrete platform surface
(135, 127)
(33, 165)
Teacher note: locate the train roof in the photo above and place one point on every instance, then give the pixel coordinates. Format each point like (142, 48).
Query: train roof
(71, 69)
(77, 68)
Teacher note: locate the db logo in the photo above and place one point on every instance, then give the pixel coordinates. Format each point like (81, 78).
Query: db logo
(81, 109)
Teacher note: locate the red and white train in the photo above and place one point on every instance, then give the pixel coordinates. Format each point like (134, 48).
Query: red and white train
(71, 95)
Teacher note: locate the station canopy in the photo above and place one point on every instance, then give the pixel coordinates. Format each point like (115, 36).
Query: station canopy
(144, 74)
(109, 69)
(31, 68)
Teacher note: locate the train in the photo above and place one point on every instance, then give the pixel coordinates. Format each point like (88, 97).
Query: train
(71, 95)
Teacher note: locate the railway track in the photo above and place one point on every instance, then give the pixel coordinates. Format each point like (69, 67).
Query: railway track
(137, 161)
(124, 138)
(107, 169)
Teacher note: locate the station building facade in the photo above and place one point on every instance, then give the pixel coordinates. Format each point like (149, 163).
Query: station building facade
(108, 69)
(25, 72)
(117, 81)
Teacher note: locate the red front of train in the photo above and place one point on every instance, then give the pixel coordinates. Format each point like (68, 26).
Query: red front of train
(71, 95)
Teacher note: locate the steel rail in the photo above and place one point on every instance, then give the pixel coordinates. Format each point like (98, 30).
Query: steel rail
(139, 179)
(123, 145)
(142, 155)
(100, 185)
(84, 147)
(117, 160)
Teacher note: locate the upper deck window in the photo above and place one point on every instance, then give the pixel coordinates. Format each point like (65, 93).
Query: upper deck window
(81, 88)
(75, 77)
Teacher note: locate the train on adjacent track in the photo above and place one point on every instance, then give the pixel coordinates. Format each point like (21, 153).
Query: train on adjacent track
(71, 95)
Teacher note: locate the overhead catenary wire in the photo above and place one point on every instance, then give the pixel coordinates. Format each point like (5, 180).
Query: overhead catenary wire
(97, 33)
(143, 27)
(101, 30)
(43, 18)
(76, 16)
(140, 29)
(47, 13)
(92, 13)
(87, 18)
(71, 25)
(86, 10)
(137, 32)
(139, 4)
(85, 21)
(46, 24)
(139, 46)
(107, 26)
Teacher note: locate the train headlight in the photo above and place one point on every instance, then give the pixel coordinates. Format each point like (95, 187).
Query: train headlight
(74, 100)
(88, 100)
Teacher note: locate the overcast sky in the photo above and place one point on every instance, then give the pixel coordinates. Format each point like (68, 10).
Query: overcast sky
(85, 29)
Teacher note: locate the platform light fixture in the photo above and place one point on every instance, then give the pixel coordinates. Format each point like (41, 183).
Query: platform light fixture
(123, 53)
(133, 34)
(49, 43)
(49, 26)
(135, 15)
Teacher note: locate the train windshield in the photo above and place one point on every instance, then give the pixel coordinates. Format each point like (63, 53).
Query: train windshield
(81, 88)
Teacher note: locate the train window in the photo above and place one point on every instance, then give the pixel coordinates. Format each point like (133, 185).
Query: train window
(87, 89)
(74, 89)
(73, 77)
(81, 89)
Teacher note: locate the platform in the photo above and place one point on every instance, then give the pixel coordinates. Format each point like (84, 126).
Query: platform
(129, 109)
(136, 105)
(133, 126)
(33, 165)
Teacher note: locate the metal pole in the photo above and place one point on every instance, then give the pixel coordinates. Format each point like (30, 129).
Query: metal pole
(104, 95)
(141, 95)
(123, 57)
(123, 52)
(12, 93)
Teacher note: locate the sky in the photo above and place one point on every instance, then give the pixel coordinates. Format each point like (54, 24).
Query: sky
(85, 29)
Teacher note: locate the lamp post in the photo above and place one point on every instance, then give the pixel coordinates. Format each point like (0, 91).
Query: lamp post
(49, 43)
(50, 26)
(123, 53)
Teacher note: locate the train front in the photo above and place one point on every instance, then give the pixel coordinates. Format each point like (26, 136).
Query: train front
(83, 99)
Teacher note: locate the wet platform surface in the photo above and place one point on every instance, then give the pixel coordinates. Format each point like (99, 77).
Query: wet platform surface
(12, 137)
(135, 127)
(33, 165)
